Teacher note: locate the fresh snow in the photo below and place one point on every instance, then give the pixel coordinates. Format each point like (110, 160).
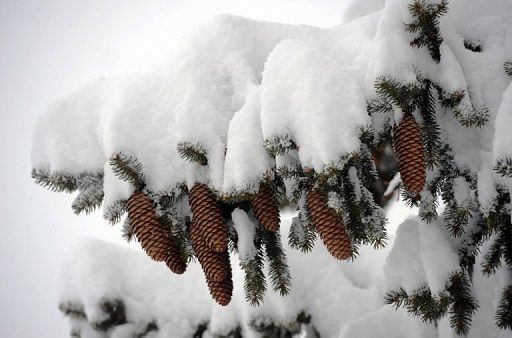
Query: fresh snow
(238, 83)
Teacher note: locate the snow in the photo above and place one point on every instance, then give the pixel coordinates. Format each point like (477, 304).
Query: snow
(246, 160)
(238, 83)
(245, 230)
(336, 294)
(422, 255)
(100, 271)
(461, 192)
(303, 91)
(503, 136)
(403, 265)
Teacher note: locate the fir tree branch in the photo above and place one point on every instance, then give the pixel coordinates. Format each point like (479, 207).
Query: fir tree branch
(302, 235)
(127, 168)
(127, 230)
(254, 282)
(492, 260)
(192, 152)
(426, 25)
(503, 315)
(463, 304)
(56, 181)
(393, 91)
(470, 117)
(280, 145)
(91, 193)
(504, 167)
(430, 128)
(115, 211)
(507, 66)
(279, 272)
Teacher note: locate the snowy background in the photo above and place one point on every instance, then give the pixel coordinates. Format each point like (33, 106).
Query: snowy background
(48, 49)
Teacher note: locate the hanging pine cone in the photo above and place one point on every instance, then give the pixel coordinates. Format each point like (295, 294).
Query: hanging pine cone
(146, 227)
(174, 260)
(223, 290)
(213, 263)
(266, 209)
(329, 226)
(208, 216)
(408, 146)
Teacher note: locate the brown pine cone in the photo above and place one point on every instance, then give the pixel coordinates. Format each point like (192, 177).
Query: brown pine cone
(408, 146)
(266, 209)
(174, 260)
(223, 290)
(329, 226)
(208, 216)
(146, 226)
(213, 263)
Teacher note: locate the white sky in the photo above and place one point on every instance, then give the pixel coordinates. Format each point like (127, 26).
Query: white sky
(47, 49)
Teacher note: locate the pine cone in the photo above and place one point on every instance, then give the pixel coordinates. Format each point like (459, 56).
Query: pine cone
(146, 227)
(207, 214)
(213, 263)
(266, 209)
(329, 226)
(174, 260)
(223, 290)
(409, 152)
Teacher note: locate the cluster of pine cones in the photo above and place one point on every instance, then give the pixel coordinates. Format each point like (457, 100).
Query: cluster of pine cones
(209, 236)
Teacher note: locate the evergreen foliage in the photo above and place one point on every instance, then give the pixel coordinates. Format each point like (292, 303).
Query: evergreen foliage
(113, 212)
(302, 234)
(462, 304)
(255, 284)
(267, 328)
(508, 68)
(278, 270)
(504, 167)
(280, 145)
(473, 45)
(113, 314)
(128, 168)
(193, 152)
(90, 194)
(426, 25)
(127, 230)
(455, 299)
(504, 312)
(55, 181)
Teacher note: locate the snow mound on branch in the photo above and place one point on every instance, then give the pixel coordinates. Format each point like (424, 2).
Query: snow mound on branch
(304, 94)
(422, 255)
(216, 93)
(99, 271)
(336, 294)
